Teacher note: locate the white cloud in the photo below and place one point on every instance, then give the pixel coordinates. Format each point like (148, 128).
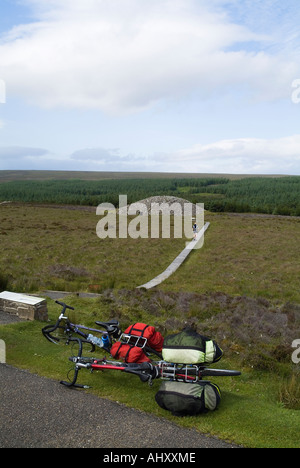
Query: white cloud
(95, 154)
(91, 159)
(125, 55)
(234, 156)
(106, 159)
(18, 152)
(239, 156)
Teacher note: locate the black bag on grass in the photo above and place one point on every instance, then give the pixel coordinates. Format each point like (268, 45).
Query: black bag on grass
(188, 347)
(187, 399)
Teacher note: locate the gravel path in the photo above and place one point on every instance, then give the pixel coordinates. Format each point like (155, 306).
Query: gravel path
(40, 413)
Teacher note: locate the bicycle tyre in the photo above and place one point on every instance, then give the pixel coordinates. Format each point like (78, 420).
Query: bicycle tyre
(55, 334)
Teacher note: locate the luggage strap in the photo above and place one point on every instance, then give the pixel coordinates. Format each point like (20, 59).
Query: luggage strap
(179, 373)
(133, 340)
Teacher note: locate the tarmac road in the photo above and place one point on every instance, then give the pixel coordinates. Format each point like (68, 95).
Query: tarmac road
(36, 412)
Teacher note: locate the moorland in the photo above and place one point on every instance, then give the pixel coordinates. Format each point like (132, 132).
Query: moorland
(242, 287)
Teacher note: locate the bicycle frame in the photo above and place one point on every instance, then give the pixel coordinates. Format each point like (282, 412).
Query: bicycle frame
(146, 371)
(142, 370)
(111, 330)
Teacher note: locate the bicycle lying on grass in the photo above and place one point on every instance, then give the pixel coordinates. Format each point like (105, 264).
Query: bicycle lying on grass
(146, 371)
(182, 366)
(63, 331)
(183, 390)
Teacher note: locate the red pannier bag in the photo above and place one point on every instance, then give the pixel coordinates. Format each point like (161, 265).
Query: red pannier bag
(128, 353)
(154, 338)
(132, 350)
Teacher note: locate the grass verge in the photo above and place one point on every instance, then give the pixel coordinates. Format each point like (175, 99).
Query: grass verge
(250, 412)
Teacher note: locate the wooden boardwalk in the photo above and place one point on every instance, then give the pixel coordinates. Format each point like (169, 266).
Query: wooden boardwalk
(178, 260)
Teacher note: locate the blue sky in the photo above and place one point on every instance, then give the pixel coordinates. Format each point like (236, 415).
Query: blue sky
(163, 85)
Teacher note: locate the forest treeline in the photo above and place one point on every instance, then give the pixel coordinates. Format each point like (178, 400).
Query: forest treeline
(256, 194)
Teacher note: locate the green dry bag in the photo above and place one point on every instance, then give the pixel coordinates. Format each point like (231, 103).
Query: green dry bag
(188, 399)
(188, 347)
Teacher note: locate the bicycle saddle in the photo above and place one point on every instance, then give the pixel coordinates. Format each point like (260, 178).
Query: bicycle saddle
(112, 326)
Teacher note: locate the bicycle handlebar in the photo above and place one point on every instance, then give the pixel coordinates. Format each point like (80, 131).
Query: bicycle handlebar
(51, 328)
(65, 306)
(111, 327)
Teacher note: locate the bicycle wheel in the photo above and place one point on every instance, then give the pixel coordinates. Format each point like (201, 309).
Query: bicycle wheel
(57, 334)
(78, 346)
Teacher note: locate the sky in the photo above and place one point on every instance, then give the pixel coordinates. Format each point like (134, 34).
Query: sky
(189, 86)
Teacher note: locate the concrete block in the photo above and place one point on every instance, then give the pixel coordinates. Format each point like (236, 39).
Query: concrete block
(26, 307)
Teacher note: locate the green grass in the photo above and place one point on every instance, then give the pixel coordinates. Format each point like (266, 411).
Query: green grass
(249, 414)
(49, 248)
(242, 288)
(245, 255)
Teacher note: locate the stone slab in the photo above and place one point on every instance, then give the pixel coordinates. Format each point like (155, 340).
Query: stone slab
(25, 307)
(17, 297)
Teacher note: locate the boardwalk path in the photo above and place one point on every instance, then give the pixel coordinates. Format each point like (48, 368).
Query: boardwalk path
(178, 260)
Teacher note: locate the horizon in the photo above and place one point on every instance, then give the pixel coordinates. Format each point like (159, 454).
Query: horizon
(139, 173)
(121, 172)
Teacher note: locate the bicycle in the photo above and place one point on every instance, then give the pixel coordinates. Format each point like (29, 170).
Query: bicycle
(64, 330)
(146, 371)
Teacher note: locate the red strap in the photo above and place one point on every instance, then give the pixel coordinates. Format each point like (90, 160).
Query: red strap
(137, 329)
